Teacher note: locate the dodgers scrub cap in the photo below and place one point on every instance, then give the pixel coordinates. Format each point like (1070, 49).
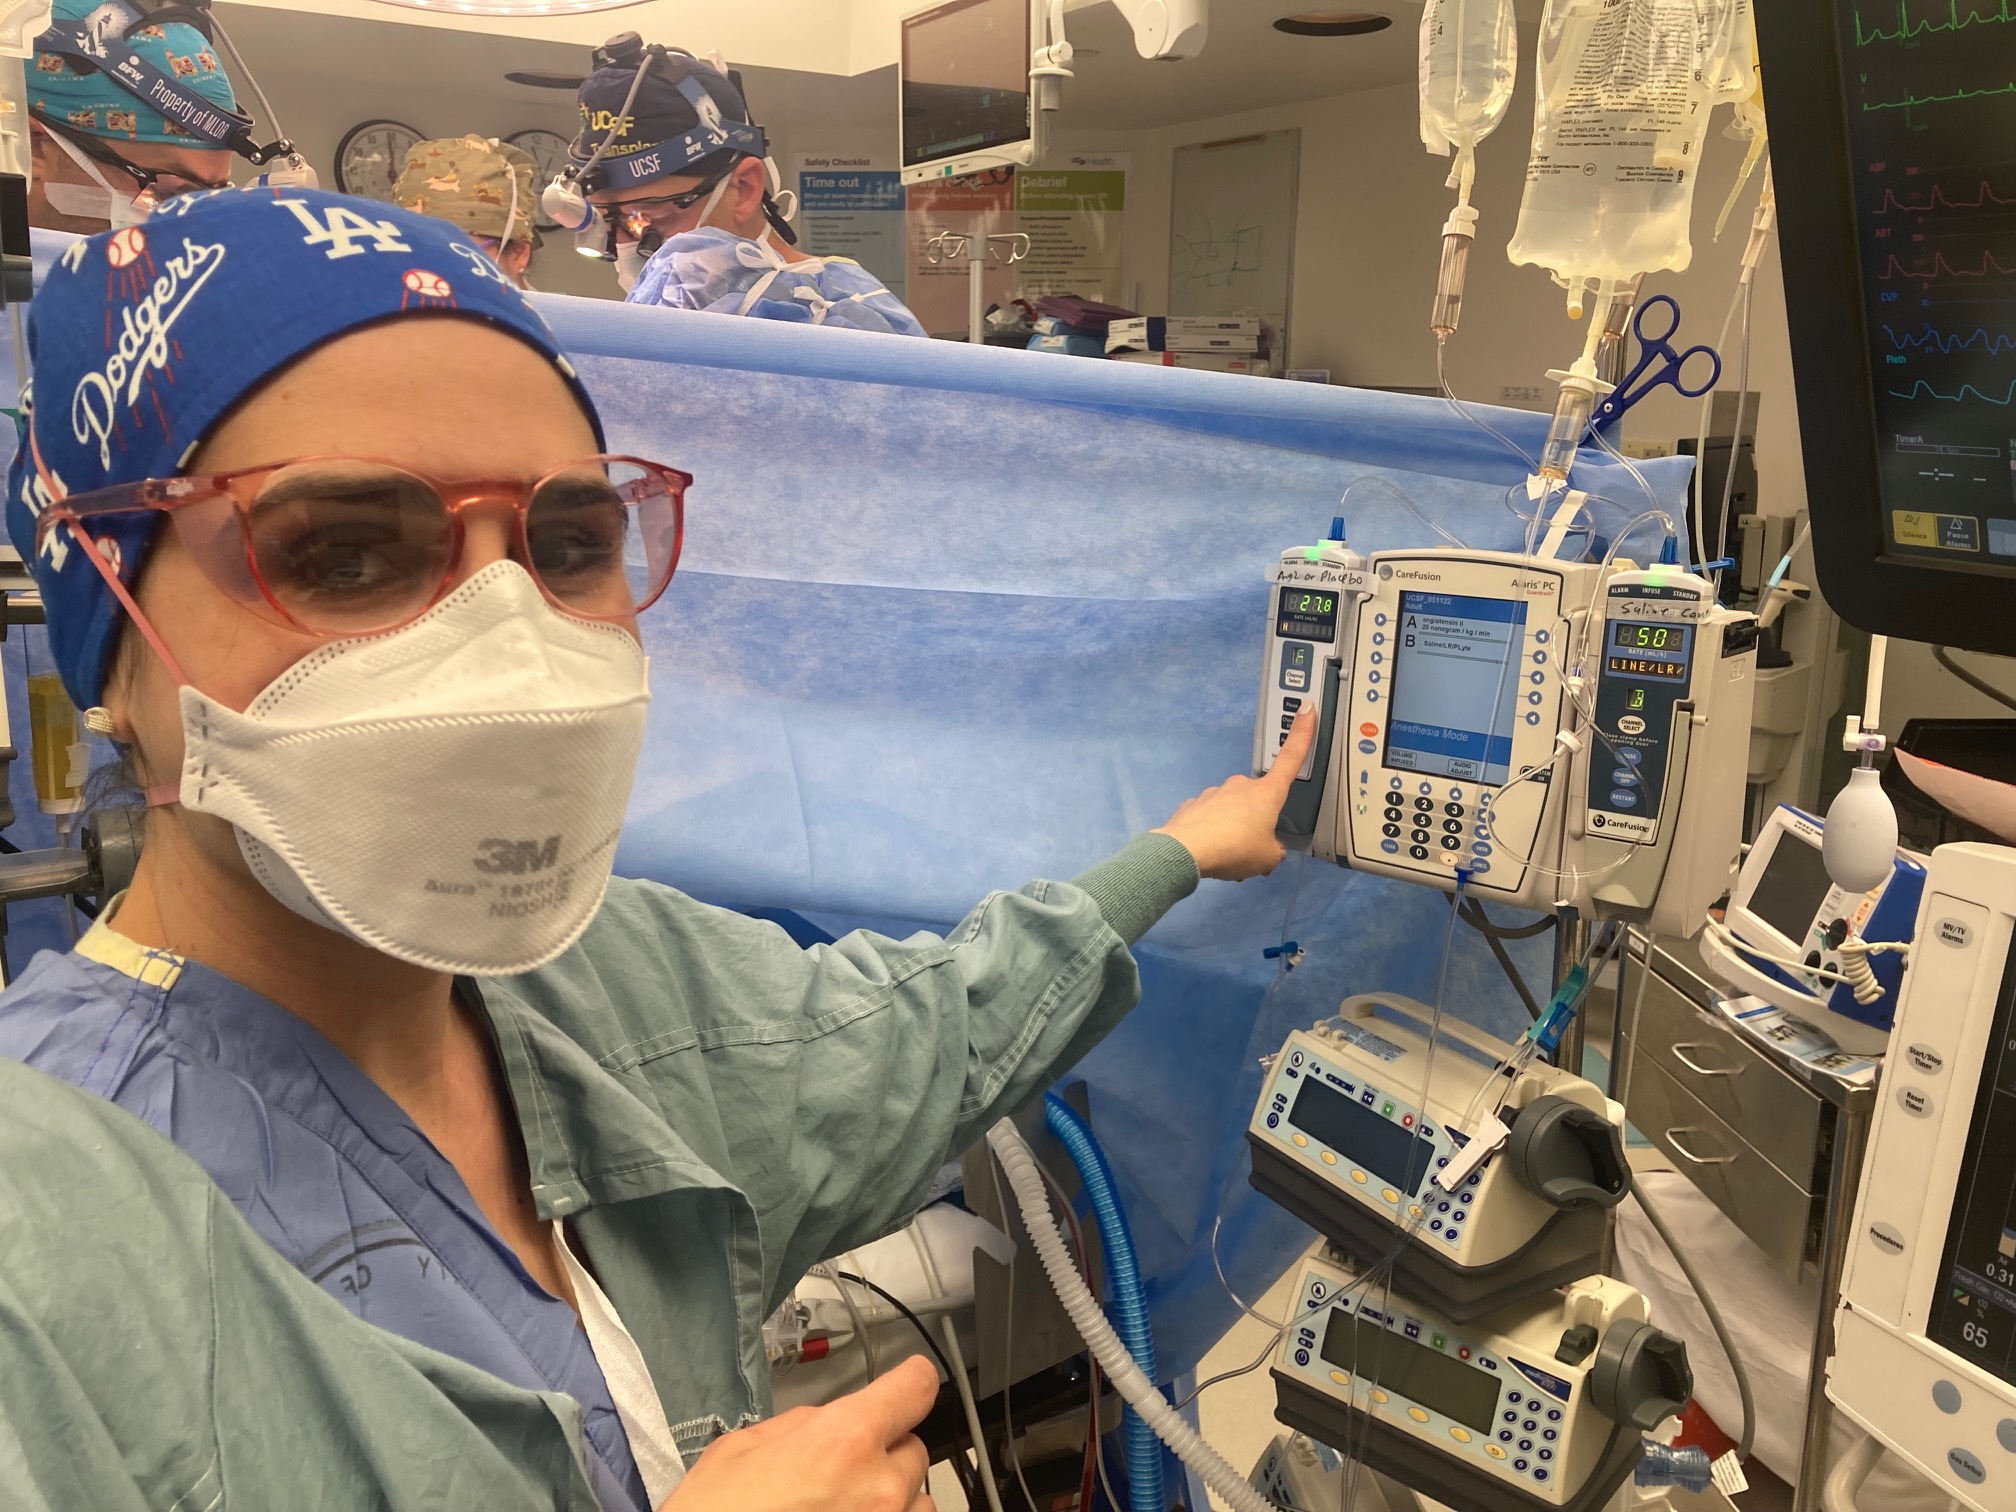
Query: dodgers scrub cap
(143, 339)
(91, 100)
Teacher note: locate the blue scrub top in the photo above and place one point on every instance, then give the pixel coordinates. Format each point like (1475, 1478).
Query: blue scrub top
(326, 1167)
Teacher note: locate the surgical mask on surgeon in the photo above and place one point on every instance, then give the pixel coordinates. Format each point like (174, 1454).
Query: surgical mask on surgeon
(99, 203)
(630, 260)
(449, 793)
(631, 256)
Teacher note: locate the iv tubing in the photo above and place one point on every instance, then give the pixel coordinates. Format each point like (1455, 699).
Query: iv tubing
(1124, 1294)
(1019, 1166)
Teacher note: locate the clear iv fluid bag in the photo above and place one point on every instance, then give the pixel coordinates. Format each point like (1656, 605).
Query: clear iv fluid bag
(1469, 58)
(1621, 107)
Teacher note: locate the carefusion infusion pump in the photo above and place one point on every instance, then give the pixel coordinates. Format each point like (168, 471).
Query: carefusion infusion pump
(1316, 593)
(1790, 935)
(1347, 1137)
(1658, 806)
(1540, 1406)
(1455, 700)
(1562, 732)
(1925, 1340)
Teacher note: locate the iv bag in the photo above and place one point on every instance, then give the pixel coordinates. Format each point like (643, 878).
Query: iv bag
(1625, 89)
(1469, 57)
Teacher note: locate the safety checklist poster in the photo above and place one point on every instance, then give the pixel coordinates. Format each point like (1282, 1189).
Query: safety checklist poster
(1073, 215)
(853, 207)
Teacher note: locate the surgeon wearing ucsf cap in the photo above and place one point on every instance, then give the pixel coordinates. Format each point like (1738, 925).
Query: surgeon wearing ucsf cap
(689, 204)
(373, 973)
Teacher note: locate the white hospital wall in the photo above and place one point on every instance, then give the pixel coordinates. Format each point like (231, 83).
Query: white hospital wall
(1368, 224)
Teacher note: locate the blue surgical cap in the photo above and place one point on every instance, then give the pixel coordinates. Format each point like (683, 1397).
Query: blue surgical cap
(144, 338)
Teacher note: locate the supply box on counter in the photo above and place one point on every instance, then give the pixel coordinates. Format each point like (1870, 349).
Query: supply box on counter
(1185, 333)
(1210, 362)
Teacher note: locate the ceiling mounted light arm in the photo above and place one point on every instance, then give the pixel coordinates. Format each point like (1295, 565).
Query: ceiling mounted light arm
(1166, 30)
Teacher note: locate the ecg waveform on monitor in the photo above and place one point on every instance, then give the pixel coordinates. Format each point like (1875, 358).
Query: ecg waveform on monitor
(1932, 339)
(1941, 268)
(1915, 101)
(1937, 200)
(1955, 19)
(1923, 390)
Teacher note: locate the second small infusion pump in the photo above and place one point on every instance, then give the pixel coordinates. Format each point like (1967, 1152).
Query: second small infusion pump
(1347, 1138)
(1541, 1407)
(1307, 659)
(1925, 1338)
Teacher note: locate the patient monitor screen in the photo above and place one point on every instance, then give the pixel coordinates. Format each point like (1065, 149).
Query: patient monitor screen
(1794, 885)
(965, 79)
(1456, 685)
(1974, 1305)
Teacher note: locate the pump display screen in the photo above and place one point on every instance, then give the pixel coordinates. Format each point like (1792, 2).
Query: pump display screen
(1412, 1370)
(1792, 888)
(965, 79)
(1658, 652)
(1974, 1306)
(1307, 614)
(1363, 1135)
(1456, 686)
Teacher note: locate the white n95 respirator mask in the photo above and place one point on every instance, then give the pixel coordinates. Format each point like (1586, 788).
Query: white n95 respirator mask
(449, 793)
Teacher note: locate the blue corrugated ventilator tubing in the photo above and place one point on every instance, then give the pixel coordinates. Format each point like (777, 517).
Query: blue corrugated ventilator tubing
(1126, 1303)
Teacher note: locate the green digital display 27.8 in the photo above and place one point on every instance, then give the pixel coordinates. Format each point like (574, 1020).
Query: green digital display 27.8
(1307, 614)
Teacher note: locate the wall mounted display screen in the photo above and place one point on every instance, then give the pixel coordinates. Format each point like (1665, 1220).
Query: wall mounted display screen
(965, 79)
(1455, 686)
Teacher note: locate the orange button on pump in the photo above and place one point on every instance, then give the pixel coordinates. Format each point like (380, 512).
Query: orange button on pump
(1368, 729)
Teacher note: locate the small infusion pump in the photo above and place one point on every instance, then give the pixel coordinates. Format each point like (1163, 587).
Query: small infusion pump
(1541, 1407)
(1785, 905)
(1675, 679)
(1316, 591)
(1925, 1339)
(1347, 1138)
(1456, 696)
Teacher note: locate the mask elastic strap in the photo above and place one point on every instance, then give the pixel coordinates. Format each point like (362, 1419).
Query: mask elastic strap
(714, 199)
(160, 793)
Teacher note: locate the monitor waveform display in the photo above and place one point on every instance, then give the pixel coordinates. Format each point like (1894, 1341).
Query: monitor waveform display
(1931, 20)
(1932, 96)
(1945, 343)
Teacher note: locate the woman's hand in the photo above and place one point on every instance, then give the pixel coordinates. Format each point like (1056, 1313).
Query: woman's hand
(1230, 828)
(854, 1455)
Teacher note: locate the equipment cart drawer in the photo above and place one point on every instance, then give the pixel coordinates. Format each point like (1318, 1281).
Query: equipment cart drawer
(1774, 1210)
(1769, 1110)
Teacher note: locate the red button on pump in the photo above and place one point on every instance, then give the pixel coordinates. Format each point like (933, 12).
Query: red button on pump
(1368, 729)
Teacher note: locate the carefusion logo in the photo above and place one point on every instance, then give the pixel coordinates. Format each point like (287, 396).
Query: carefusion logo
(144, 346)
(1410, 574)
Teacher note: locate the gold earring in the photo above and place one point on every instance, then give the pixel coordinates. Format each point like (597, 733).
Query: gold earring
(99, 721)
